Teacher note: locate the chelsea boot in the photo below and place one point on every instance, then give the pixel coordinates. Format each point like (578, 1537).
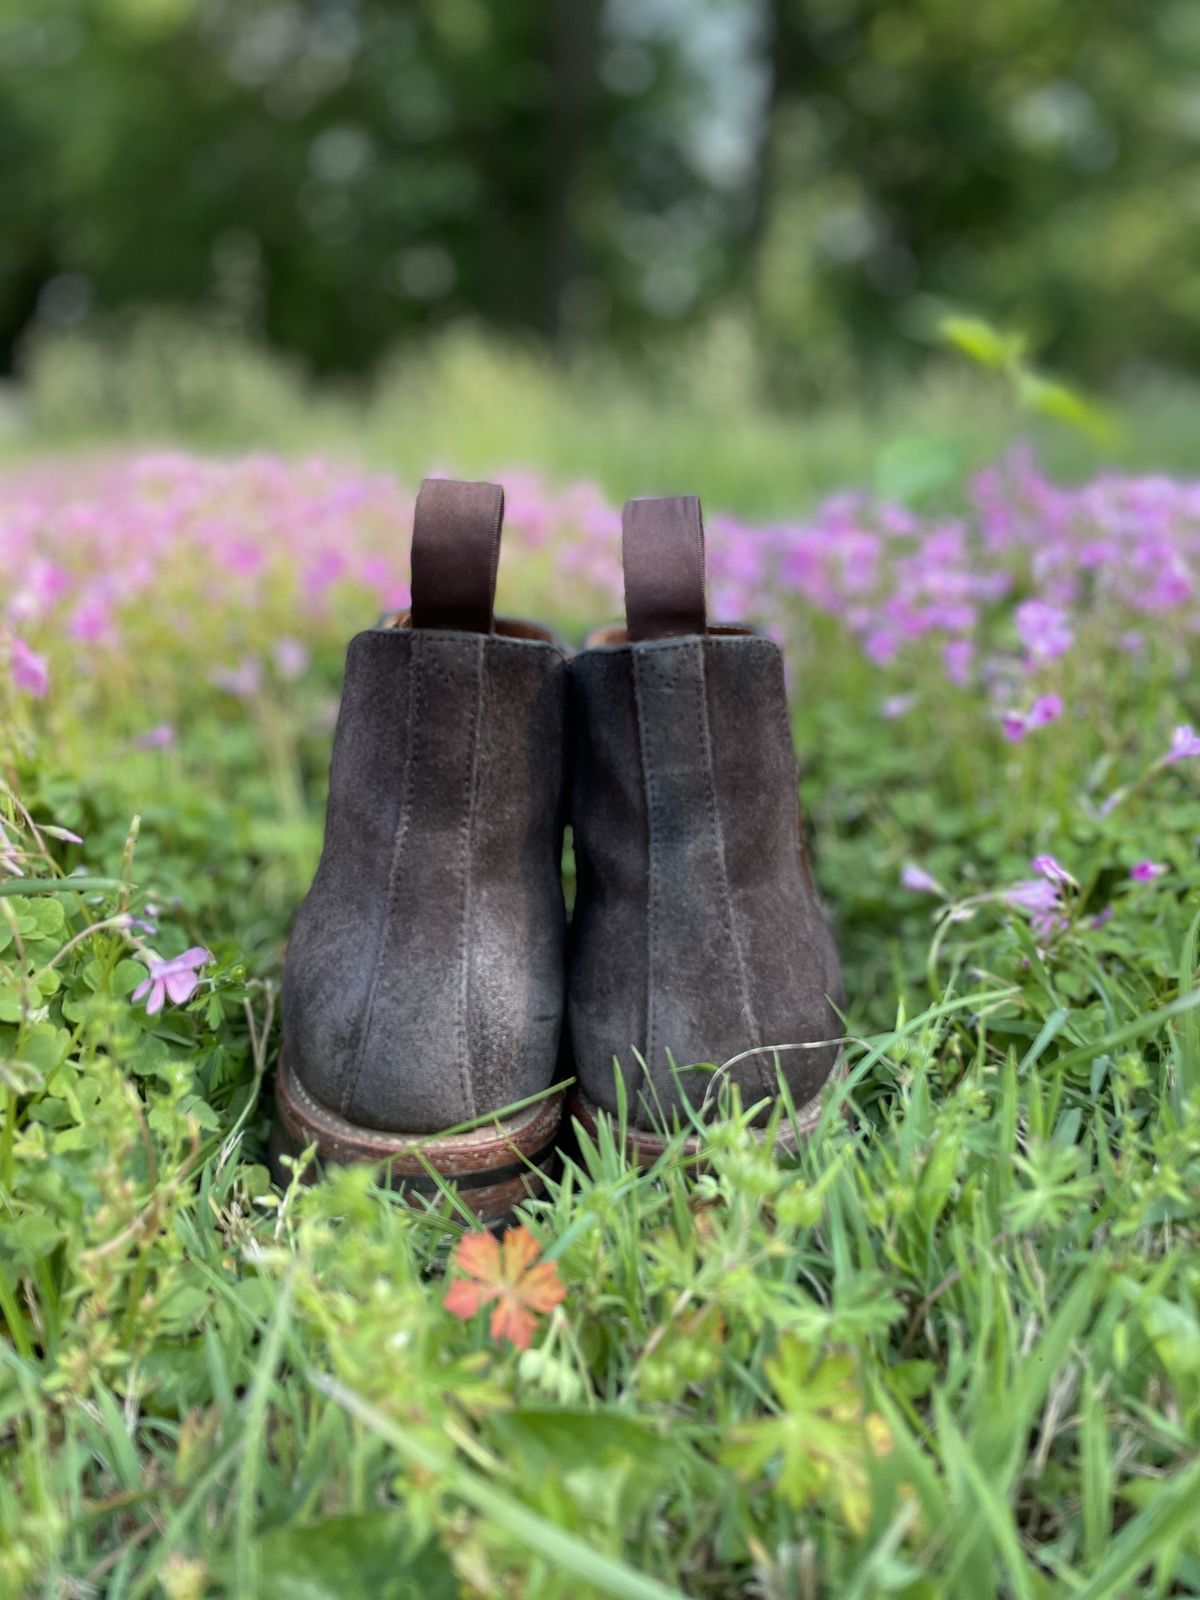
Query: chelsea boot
(423, 981)
(698, 938)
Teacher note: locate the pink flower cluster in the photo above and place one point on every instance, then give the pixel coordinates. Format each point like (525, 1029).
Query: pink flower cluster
(224, 555)
(178, 539)
(198, 551)
(1047, 900)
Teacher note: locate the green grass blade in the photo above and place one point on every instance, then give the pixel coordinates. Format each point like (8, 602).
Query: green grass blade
(32, 886)
(1173, 1510)
(245, 1550)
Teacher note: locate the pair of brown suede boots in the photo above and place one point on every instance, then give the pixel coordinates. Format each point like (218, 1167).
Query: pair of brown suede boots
(430, 970)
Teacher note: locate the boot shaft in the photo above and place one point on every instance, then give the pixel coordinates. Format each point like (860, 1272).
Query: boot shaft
(424, 973)
(698, 935)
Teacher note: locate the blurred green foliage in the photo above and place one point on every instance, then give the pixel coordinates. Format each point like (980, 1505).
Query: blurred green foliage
(1006, 353)
(1033, 160)
(701, 419)
(333, 175)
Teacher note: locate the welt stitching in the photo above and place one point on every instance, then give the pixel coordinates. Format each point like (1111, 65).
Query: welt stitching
(415, 660)
(493, 573)
(651, 876)
(725, 894)
(698, 533)
(495, 640)
(656, 648)
(466, 834)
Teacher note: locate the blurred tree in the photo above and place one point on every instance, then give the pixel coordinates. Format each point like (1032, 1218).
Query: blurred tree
(332, 173)
(335, 174)
(1035, 160)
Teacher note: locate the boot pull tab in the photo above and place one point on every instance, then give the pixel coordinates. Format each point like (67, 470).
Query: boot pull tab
(455, 553)
(662, 549)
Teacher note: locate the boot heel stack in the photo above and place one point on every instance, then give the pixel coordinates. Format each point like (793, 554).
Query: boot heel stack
(423, 982)
(699, 947)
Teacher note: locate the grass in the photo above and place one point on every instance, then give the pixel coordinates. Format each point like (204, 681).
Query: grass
(948, 1351)
(695, 418)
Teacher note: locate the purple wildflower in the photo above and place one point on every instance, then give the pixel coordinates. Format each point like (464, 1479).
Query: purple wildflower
(176, 979)
(291, 659)
(1053, 871)
(43, 585)
(958, 656)
(1044, 630)
(30, 674)
(1046, 924)
(1184, 743)
(918, 880)
(156, 738)
(64, 834)
(1034, 895)
(244, 680)
(1047, 708)
(91, 621)
(896, 706)
(1147, 871)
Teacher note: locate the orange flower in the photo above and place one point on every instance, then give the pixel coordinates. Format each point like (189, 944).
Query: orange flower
(506, 1274)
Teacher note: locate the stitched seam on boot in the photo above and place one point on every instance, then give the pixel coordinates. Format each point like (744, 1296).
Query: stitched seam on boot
(466, 837)
(651, 831)
(700, 682)
(416, 658)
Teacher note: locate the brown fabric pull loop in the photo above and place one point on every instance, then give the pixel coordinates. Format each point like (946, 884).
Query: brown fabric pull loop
(455, 554)
(662, 548)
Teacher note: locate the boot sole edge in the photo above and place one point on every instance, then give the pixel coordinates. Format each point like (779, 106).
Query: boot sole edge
(496, 1165)
(645, 1146)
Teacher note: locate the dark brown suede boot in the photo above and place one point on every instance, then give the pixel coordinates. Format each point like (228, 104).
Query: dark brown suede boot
(423, 985)
(698, 936)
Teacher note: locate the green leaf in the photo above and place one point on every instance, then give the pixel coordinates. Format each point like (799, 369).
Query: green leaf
(1052, 399)
(572, 1436)
(982, 342)
(32, 1235)
(49, 917)
(148, 1056)
(126, 976)
(350, 1558)
(44, 1046)
(10, 1003)
(559, 1548)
